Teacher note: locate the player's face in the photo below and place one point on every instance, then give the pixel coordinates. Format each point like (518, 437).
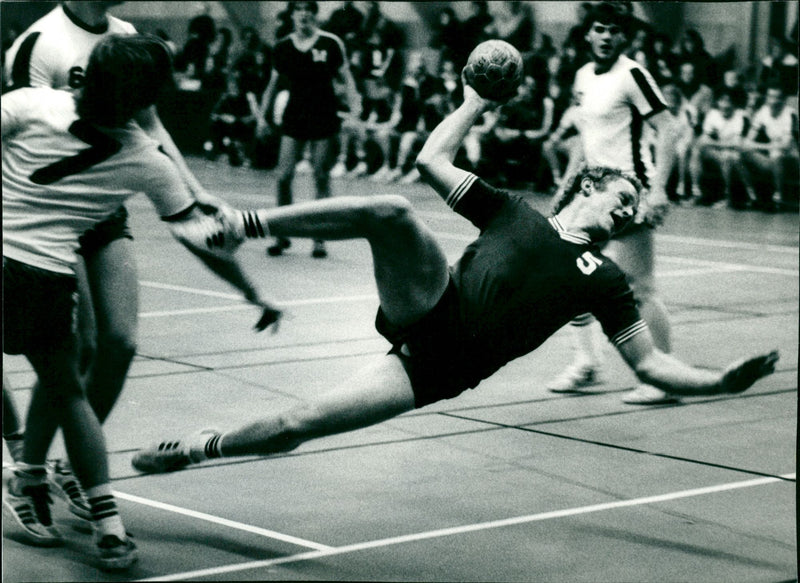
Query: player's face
(303, 16)
(615, 203)
(606, 42)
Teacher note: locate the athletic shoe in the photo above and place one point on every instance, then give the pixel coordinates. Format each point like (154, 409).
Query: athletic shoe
(649, 395)
(280, 245)
(380, 175)
(31, 512)
(319, 251)
(115, 554)
(171, 456)
(359, 170)
(574, 379)
(338, 170)
(64, 485)
(303, 167)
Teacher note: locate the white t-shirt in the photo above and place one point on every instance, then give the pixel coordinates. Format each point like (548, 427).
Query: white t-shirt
(54, 50)
(724, 130)
(612, 107)
(61, 176)
(778, 129)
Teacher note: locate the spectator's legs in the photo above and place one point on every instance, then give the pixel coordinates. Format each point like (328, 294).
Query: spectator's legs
(321, 162)
(758, 175)
(12, 424)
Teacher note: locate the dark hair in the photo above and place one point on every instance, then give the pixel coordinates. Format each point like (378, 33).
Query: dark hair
(312, 6)
(609, 13)
(125, 74)
(599, 175)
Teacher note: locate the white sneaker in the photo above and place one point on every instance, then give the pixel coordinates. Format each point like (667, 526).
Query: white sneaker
(304, 167)
(338, 170)
(649, 395)
(30, 511)
(574, 379)
(380, 175)
(358, 171)
(65, 485)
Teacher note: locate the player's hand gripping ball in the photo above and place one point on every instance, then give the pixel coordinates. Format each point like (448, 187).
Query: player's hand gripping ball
(494, 69)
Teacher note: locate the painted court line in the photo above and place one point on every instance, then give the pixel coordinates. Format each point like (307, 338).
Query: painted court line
(215, 571)
(223, 522)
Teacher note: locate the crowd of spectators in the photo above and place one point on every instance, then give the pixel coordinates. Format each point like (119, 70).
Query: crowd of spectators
(738, 143)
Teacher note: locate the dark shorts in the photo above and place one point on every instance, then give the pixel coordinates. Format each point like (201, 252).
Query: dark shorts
(431, 350)
(38, 308)
(110, 229)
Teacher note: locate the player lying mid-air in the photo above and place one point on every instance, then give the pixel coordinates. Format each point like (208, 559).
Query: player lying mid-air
(450, 327)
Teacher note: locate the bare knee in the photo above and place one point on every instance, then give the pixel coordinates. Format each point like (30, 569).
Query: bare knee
(118, 344)
(390, 210)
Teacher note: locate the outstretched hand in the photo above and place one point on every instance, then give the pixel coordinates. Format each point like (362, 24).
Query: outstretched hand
(740, 375)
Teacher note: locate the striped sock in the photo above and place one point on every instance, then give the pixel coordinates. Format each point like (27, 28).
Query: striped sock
(104, 511)
(253, 226)
(213, 447)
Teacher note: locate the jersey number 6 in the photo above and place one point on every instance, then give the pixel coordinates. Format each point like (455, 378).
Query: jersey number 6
(102, 148)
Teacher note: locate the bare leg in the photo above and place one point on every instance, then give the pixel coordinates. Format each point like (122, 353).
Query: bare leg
(115, 293)
(378, 392)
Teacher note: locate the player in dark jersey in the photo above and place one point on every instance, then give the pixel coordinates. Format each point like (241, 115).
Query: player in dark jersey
(308, 59)
(451, 327)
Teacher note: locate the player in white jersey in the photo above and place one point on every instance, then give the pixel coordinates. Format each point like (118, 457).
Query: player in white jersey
(615, 98)
(53, 52)
(54, 188)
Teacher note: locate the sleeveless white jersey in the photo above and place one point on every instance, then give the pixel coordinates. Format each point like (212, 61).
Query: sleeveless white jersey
(62, 175)
(612, 107)
(54, 50)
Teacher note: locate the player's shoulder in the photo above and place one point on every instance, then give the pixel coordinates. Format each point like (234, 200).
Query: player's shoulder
(33, 99)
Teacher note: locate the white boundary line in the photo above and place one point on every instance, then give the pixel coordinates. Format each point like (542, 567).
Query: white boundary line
(215, 571)
(224, 522)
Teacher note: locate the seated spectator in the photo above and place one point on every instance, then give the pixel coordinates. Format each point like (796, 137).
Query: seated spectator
(345, 22)
(699, 96)
(718, 149)
(191, 58)
(473, 29)
(769, 150)
(233, 122)
(446, 37)
(691, 48)
(513, 23)
(218, 61)
(732, 83)
(561, 152)
(417, 110)
(780, 66)
(661, 62)
(512, 149)
(684, 116)
(254, 63)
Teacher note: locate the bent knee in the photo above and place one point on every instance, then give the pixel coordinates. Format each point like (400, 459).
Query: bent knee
(119, 344)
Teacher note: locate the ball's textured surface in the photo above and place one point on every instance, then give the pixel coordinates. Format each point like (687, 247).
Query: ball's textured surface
(494, 69)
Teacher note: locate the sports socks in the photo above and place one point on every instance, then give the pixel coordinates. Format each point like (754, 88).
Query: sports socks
(213, 447)
(254, 227)
(104, 512)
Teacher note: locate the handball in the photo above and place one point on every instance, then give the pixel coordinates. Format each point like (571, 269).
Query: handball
(494, 69)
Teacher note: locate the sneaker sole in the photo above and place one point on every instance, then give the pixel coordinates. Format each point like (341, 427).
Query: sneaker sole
(118, 563)
(40, 541)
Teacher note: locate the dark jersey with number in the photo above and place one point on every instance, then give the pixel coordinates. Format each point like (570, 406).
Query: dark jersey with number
(525, 277)
(311, 112)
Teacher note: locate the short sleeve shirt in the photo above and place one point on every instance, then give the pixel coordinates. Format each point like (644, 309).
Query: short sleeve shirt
(612, 107)
(54, 50)
(525, 277)
(62, 175)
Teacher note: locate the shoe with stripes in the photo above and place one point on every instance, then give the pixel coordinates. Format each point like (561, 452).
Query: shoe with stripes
(170, 456)
(575, 379)
(64, 485)
(115, 554)
(30, 511)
